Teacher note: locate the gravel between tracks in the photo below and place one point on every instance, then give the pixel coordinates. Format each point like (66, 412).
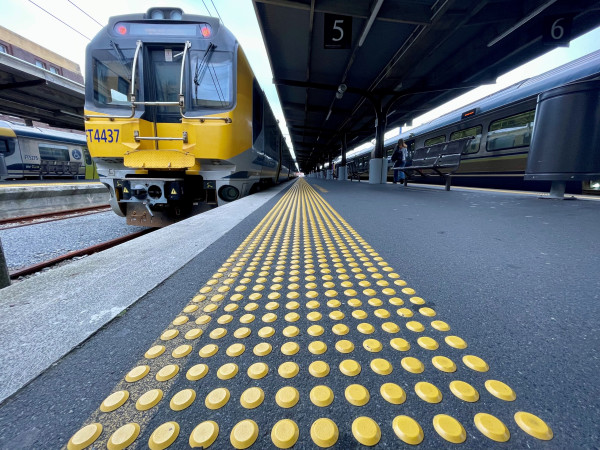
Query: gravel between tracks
(28, 245)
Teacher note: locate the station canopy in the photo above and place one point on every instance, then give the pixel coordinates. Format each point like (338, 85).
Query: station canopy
(335, 62)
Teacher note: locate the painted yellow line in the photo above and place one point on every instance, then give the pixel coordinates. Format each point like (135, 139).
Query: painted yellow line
(304, 272)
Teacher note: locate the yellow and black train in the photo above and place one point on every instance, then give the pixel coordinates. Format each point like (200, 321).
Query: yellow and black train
(175, 119)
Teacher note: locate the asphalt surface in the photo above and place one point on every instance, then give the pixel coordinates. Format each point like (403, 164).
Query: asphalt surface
(514, 276)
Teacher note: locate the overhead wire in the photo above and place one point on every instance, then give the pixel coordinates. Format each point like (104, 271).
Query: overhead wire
(84, 12)
(60, 20)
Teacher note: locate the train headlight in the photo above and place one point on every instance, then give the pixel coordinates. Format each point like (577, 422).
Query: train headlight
(229, 193)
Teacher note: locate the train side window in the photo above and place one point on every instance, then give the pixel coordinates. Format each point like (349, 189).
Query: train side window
(474, 144)
(54, 153)
(511, 132)
(257, 110)
(435, 140)
(3, 146)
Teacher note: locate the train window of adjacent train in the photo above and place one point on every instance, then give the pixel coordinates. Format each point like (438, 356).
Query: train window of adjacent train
(212, 79)
(510, 132)
(435, 140)
(474, 144)
(87, 156)
(54, 153)
(112, 76)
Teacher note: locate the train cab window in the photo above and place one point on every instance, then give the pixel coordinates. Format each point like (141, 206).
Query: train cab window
(474, 144)
(511, 132)
(434, 140)
(111, 69)
(212, 79)
(54, 153)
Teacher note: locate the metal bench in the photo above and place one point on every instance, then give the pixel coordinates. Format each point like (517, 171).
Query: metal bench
(442, 159)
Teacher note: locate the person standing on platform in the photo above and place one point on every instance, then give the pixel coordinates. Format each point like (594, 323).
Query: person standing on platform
(399, 159)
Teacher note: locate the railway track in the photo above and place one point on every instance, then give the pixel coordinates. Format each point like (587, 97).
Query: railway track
(16, 222)
(76, 253)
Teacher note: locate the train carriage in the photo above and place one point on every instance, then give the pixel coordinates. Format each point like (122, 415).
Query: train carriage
(175, 118)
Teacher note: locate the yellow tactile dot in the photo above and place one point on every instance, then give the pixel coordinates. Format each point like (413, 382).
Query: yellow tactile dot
(266, 332)
(344, 346)
(204, 435)
(85, 437)
(312, 294)
(272, 306)
(288, 369)
(149, 399)
(317, 347)
(393, 393)
(252, 397)
(427, 312)
(390, 327)
(388, 291)
(247, 318)
(357, 395)
(271, 317)
(181, 351)
(359, 314)
(321, 395)
(292, 305)
(217, 398)
(262, 349)
(400, 344)
(340, 329)
(290, 348)
(218, 333)
(311, 286)
(475, 363)
(203, 320)
(169, 334)
(365, 328)
(205, 290)
(417, 301)
(364, 283)
(491, 427)
(292, 317)
(318, 369)
(396, 301)
(372, 345)
(412, 365)
(444, 364)
(123, 437)
(137, 373)
(334, 303)
(255, 296)
(408, 291)
(237, 297)
(251, 306)
(285, 433)
(408, 430)
(355, 303)
(381, 366)
(370, 292)
(449, 428)
(440, 325)
(244, 434)
(415, 326)
(242, 332)
(155, 352)
(427, 343)
(287, 397)
(194, 333)
(314, 316)
(428, 392)
(293, 295)
(382, 313)
(375, 302)
(217, 298)
(366, 431)
(235, 349)
(208, 350)
(231, 307)
(274, 296)
(227, 371)
(114, 401)
(182, 399)
(315, 330)
(533, 425)
(464, 391)
(258, 370)
(324, 432)
(500, 390)
(404, 312)
(456, 342)
(336, 315)
(167, 372)
(197, 372)
(291, 331)
(313, 304)
(199, 298)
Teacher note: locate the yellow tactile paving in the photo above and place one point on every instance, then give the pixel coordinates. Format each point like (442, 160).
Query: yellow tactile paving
(302, 311)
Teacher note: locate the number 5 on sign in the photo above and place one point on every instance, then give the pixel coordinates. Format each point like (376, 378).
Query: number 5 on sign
(337, 31)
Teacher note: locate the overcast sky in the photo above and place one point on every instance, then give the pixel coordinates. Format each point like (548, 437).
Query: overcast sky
(30, 21)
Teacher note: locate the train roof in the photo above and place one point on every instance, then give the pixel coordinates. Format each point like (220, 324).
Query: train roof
(45, 133)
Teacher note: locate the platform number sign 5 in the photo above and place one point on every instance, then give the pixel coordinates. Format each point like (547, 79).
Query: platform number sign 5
(557, 30)
(337, 31)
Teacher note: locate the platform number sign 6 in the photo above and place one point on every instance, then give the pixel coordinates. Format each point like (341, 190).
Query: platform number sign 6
(557, 30)
(337, 31)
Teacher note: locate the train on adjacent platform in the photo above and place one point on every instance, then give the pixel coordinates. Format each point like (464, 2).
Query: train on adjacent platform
(28, 152)
(175, 119)
(501, 126)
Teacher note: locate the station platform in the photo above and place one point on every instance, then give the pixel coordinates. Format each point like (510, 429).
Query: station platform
(321, 314)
